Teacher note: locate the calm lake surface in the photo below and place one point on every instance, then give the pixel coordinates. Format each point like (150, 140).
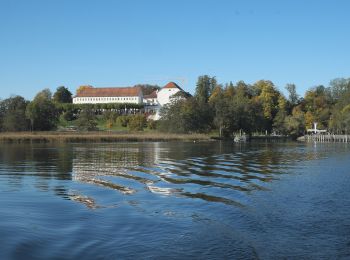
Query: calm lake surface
(152, 200)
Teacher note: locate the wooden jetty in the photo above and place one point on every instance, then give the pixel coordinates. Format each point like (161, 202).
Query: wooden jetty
(327, 138)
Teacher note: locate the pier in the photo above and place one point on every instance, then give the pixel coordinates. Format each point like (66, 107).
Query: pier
(327, 138)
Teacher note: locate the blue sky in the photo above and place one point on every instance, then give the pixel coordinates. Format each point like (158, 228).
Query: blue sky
(50, 43)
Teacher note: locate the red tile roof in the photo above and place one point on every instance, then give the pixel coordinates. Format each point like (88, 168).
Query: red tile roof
(152, 95)
(172, 85)
(110, 92)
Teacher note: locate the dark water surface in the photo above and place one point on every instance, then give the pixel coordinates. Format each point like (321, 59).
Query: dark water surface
(175, 200)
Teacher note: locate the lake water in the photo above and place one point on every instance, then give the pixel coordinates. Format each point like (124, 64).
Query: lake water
(176, 200)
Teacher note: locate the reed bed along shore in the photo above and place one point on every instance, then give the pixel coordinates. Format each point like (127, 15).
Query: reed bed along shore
(96, 137)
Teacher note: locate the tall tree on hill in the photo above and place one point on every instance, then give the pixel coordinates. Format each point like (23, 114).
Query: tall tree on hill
(292, 94)
(204, 88)
(62, 95)
(339, 86)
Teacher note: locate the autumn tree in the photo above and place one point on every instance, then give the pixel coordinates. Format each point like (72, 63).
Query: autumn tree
(279, 120)
(268, 98)
(318, 103)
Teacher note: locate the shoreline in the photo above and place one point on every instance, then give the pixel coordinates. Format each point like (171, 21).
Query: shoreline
(97, 137)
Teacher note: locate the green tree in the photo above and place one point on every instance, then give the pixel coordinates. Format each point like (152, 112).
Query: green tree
(186, 116)
(62, 95)
(219, 103)
(148, 88)
(279, 120)
(87, 120)
(339, 87)
(13, 114)
(292, 94)
(42, 112)
(204, 88)
(295, 123)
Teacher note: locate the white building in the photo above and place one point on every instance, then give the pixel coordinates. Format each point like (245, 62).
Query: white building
(151, 99)
(162, 98)
(152, 102)
(165, 93)
(92, 95)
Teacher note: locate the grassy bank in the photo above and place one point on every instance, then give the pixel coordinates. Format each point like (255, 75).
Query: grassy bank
(96, 137)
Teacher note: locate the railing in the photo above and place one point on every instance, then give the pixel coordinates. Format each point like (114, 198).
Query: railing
(327, 138)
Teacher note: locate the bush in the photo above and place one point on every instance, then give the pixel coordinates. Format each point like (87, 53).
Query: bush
(152, 124)
(123, 120)
(137, 122)
(87, 120)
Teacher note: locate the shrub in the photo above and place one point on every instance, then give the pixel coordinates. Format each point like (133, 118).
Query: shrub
(137, 122)
(152, 124)
(87, 120)
(123, 120)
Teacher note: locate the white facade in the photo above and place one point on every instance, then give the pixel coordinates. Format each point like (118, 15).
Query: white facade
(124, 95)
(106, 100)
(131, 95)
(163, 95)
(150, 101)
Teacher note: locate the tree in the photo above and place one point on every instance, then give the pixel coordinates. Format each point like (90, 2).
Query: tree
(269, 101)
(87, 120)
(279, 120)
(148, 88)
(204, 88)
(292, 94)
(186, 116)
(42, 112)
(339, 86)
(295, 123)
(318, 103)
(13, 114)
(62, 95)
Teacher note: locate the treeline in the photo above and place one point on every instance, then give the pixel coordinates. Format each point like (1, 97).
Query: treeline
(226, 108)
(46, 111)
(259, 108)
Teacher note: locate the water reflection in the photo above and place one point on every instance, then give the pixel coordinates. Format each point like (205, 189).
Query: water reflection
(212, 172)
(191, 200)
